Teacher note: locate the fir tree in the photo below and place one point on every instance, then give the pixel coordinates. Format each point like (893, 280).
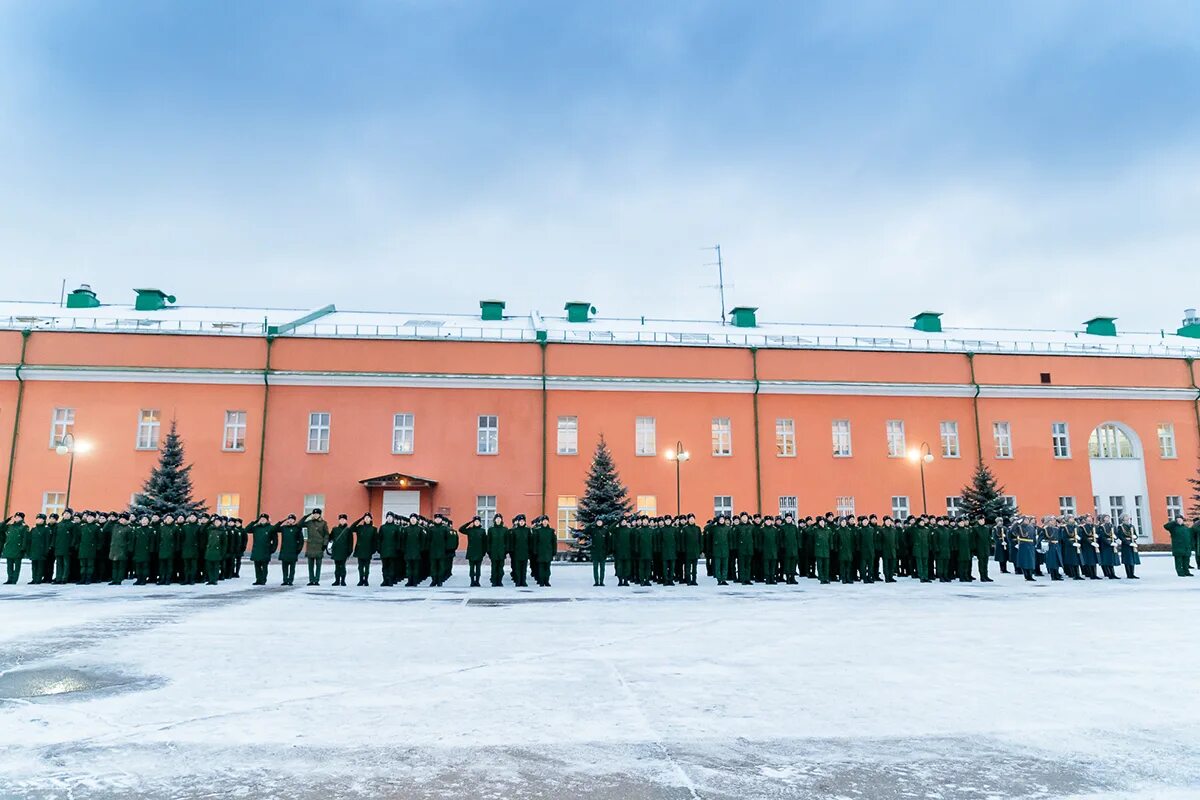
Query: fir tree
(1195, 509)
(168, 490)
(984, 496)
(605, 499)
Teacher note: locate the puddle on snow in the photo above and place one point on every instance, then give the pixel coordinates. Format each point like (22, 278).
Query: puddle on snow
(52, 682)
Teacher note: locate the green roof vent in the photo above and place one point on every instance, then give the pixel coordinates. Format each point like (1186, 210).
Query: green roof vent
(579, 311)
(928, 322)
(83, 297)
(492, 310)
(152, 299)
(1101, 326)
(743, 317)
(1191, 324)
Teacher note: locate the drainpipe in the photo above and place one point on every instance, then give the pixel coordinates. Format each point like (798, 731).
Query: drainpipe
(975, 408)
(262, 441)
(1191, 362)
(757, 435)
(12, 455)
(542, 345)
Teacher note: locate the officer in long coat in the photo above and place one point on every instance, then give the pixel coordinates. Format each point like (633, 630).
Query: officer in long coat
(598, 547)
(291, 543)
(1181, 545)
(1000, 544)
(167, 545)
(1070, 546)
(389, 550)
(644, 545)
(722, 533)
(668, 546)
(88, 537)
(143, 550)
(16, 544)
(341, 547)
(822, 548)
(691, 547)
(1052, 535)
(922, 545)
(264, 541)
(545, 545)
(1110, 554)
(789, 548)
(1027, 544)
(38, 549)
(476, 548)
(768, 544)
(214, 549)
(497, 548)
(316, 537)
(981, 544)
(518, 550)
(623, 552)
(745, 549)
(440, 533)
(65, 543)
(1127, 538)
(119, 547)
(1089, 548)
(365, 542)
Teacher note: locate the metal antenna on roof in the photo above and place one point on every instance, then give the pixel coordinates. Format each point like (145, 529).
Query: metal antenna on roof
(720, 284)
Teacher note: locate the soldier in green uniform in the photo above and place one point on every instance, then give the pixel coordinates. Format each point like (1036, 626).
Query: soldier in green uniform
(691, 549)
(38, 549)
(942, 542)
(476, 547)
(888, 539)
(341, 547)
(643, 548)
(822, 537)
(667, 547)
(437, 534)
(864, 545)
(316, 537)
(623, 549)
(789, 548)
(722, 533)
(214, 549)
(88, 536)
(16, 543)
(360, 539)
(143, 550)
(264, 540)
(411, 535)
(1181, 545)
(189, 549)
(598, 547)
(389, 549)
(768, 539)
(168, 546)
(65, 544)
(497, 548)
(744, 537)
(922, 544)
(119, 546)
(981, 536)
(964, 546)
(291, 542)
(518, 550)
(236, 540)
(544, 545)
(845, 537)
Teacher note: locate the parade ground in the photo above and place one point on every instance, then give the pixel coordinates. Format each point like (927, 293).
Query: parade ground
(1002, 690)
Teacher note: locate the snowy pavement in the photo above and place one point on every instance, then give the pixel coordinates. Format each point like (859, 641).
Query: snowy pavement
(1002, 690)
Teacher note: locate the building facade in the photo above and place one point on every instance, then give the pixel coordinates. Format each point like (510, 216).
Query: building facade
(283, 410)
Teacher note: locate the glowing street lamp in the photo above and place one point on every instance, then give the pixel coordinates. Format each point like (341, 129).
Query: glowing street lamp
(68, 445)
(678, 455)
(922, 456)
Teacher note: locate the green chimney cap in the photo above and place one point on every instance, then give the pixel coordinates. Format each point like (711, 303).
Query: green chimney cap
(492, 310)
(578, 311)
(1192, 331)
(928, 321)
(1101, 326)
(152, 299)
(83, 297)
(743, 317)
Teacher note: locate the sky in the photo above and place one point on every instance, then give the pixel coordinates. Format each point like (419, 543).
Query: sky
(1013, 164)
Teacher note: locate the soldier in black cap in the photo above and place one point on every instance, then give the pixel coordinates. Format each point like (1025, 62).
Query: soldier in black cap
(476, 547)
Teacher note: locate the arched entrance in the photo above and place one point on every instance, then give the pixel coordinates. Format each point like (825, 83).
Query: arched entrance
(1119, 475)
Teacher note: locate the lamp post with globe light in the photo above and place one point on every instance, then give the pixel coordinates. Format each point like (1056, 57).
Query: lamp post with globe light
(922, 456)
(678, 455)
(69, 445)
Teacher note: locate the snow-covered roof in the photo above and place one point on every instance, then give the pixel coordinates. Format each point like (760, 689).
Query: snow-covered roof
(212, 320)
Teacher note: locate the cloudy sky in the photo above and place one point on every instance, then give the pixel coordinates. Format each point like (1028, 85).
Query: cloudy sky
(1021, 164)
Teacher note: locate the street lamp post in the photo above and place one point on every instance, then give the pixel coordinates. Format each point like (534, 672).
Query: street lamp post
(922, 456)
(677, 455)
(68, 446)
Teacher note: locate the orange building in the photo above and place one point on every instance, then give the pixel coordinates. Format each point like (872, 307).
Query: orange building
(284, 409)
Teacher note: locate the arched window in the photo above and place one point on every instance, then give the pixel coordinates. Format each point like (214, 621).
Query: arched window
(1109, 441)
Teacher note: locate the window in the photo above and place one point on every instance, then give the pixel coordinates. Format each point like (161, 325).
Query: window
(845, 506)
(1066, 505)
(895, 438)
(402, 434)
(644, 433)
(235, 431)
(1174, 506)
(1116, 506)
(485, 509)
(228, 504)
(53, 502)
(1002, 433)
(788, 505)
(568, 436)
(567, 511)
(647, 504)
(841, 438)
(1061, 439)
(1137, 515)
(722, 437)
(953, 506)
(489, 435)
(1010, 503)
(723, 505)
(950, 446)
(1166, 440)
(147, 429)
(1109, 441)
(318, 432)
(785, 438)
(900, 507)
(62, 423)
(312, 501)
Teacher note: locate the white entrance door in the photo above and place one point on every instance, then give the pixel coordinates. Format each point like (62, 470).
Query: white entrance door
(401, 502)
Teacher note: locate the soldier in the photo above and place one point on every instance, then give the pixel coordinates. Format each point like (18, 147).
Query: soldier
(291, 542)
(888, 549)
(120, 546)
(1052, 539)
(981, 540)
(623, 552)
(1000, 544)
(360, 539)
(1181, 545)
(88, 537)
(143, 550)
(1110, 554)
(340, 547)
(16, 544)
(691, 547)
(743, 540)
(1027, 543)
(964, 548)
(1070, 546)
(438, 534)
(544, 545)
(789, 548)
(643, 547)
(264, 540)
(389, 550)
(722, 533)
(598, 550)
(65, 544)
(822, 537)
(476, 547)
(411, 545)
(316, 536)
(237, 546)
(1089, 548)
(38, 549)
(668, 546)
(1128, 539)
(497, 548)
(768, 544)
(518, 550)
(214, 549)
(167, 545)
(922, 546)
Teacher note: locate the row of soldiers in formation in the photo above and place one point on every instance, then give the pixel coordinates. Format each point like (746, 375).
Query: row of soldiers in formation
(744, 548)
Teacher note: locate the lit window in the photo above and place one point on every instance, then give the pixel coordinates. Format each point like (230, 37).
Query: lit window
(235, 431)
(950, 445)
(488, 443)
(1066, 505)
(788, 505)
(61, 424)
(841, 438)
(53, 502)
(147, 429)
(568, 436)
(722, 436)
(785, 438)
(953, 506)
(228, 504)
(1061, 439)
(485, 509)
(1166, 440)
(1109, 441)
(895, 438)
(1002, 434)
(312, 501)
(647, 504)
(568, 508)
(1010, 503)
(845, 506)
(402, 434)
(318, 432)
(723, 505)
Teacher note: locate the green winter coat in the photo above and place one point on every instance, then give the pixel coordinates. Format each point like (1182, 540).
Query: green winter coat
(411, 536)
(518, 542)
(643, 538)
(341, 542)
(964, 541)
(316, 536)
(943, 541)
(291, 542)
(888, 541)
(622, 543)
(168, 540)
(1181, 538)
(822, 541)
(38, 542)
(189, 540)
(720, 540)
(922, 541)
(89, 540)
(143, 543)
(64, 537)
(669, 541)
(981, 535)
(121, 544)
(545, 543)
(476, 540)
(497, 542)
(366, 541)
(264, 541)
(213, 545)
(389, 540)
(16, 540)
(597, 543)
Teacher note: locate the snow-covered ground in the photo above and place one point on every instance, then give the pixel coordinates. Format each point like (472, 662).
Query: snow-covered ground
(998, 690)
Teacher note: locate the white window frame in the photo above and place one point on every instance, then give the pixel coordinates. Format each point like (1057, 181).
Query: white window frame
(320, 424)
(404, 433)
(722, 437)
(785, 437)
(1166, 440)
(1010, 502)
(1067, 505)
(53, 502)
(485, 509)
(951, 445)
(1108, 439)
(1060, 439)
(896, 446)
(1174, 506)
(953, 506)
(843, 443)
(845, 505)
(647, 504)
(789, 504)
(229, 504)
(314, 500)
(149, 426)
(62, 422)
(1002, 437)
(487, 434)
(233, 439)
(644, 436)
(900, 507)
(568, 436)
(722, 505)
(568, 515)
